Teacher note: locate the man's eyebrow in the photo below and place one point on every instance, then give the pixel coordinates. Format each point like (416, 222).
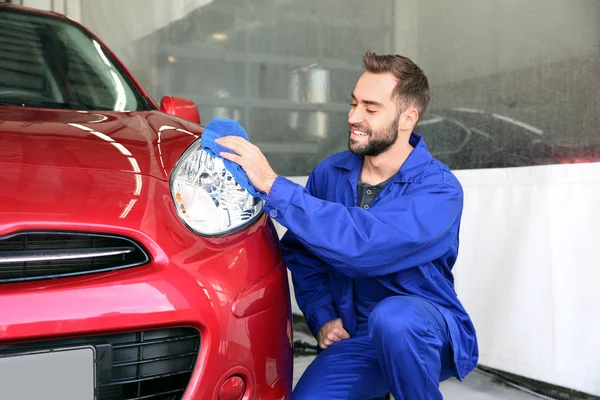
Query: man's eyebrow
(368, 102)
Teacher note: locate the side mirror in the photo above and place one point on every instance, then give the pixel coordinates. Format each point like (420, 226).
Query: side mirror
(180, 107)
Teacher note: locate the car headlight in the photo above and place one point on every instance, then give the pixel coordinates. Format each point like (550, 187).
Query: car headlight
(208, 198)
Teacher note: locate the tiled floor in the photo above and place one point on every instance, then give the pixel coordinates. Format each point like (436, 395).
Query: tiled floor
(476, 386)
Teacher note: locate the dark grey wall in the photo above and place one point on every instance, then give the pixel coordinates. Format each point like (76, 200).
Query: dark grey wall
(514, 83)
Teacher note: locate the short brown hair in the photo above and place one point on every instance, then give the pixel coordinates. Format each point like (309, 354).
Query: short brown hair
(412, 87)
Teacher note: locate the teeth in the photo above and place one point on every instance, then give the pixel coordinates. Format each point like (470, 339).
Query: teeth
(359, 133)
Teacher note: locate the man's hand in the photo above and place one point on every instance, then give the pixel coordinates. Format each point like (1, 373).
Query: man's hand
(331, 332)
(252, 161)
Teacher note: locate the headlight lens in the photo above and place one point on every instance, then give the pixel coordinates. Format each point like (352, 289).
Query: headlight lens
(208, 198)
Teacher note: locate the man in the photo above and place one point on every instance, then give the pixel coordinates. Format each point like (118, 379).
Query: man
(371, 243)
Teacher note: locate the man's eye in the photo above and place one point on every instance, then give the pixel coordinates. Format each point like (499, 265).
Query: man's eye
(371, 111)
(353, 105)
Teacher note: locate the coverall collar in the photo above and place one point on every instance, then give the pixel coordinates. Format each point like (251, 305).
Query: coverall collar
(412, 170)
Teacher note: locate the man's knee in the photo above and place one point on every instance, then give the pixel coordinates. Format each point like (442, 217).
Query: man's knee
(400, 318)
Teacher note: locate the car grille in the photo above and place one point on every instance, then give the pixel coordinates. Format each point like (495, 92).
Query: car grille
(152, 364)
(46, 255)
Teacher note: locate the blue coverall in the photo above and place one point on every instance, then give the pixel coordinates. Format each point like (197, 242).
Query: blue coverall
(408, 330)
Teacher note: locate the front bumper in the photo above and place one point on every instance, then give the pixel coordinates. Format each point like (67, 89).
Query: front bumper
(233, 291)
(243, 327)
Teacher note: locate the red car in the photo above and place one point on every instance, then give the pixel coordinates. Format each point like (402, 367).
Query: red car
(132, 264)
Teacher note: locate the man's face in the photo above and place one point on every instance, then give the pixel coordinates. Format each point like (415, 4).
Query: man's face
(374, 115)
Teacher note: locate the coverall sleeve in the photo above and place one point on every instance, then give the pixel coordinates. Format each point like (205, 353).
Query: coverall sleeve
(395, 235)
(310, 278)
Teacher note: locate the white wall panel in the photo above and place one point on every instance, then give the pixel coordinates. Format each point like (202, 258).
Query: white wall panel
(528, 271)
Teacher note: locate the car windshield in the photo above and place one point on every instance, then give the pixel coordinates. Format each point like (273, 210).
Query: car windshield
(49, 62)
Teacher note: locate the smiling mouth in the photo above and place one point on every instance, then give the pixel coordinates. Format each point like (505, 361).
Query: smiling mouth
(359, 133)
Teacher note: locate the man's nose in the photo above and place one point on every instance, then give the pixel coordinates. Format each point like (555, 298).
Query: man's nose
(355, 116)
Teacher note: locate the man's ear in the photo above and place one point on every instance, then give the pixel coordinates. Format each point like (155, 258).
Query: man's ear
(408, 119)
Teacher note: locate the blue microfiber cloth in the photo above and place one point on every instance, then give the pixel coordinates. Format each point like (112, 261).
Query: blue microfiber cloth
(220, 127)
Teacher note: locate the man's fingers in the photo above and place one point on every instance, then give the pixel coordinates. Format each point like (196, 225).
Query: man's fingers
(235, 143)
(337, 332)
(232, 157)
(328, 340)
(341, 333)
(332, 332)
(230, 143)
(231, 140)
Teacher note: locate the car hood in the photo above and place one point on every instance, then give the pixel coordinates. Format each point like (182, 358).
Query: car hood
(149, 143)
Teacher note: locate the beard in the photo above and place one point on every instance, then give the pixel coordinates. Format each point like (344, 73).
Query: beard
(378, 140)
